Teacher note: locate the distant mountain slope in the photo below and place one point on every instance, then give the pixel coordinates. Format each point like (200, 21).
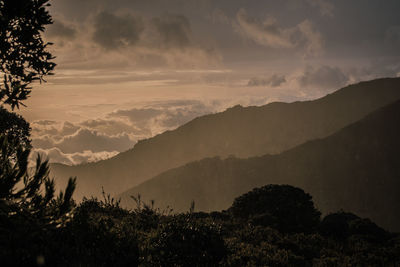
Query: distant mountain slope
(238, 131)
(357, 169)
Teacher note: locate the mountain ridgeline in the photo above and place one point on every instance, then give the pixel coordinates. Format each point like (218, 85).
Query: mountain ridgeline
(356, 169)
(238, 131)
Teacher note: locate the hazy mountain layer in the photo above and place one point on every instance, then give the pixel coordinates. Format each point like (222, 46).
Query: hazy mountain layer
(357, 169)
(239, 131)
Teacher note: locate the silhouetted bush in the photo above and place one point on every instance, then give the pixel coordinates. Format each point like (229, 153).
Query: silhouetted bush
(184, 241)
(101, 233)
(342, 225)
(99, 236)
(15, 127)
(284, 207)
(29, 210)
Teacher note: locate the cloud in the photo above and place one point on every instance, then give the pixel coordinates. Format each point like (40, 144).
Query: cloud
(180, 116)
(325, 7)
(44, 142)
(268, 33)
(113, 31)
(89, 156)
(148, 36)
(61, 30)
(177, 103)
(157, 116)
(55, 155)
(111, 127)
(392, 36)
(85, 139)
(125, 40)
(67, 142)
(377, 68)
(45, 122)
(323, 78)
(68, 128)
(174, 31)
(273, 81)
(310, 38)
(57, 130)
(219, 16)
(141, 118)
(91, 140)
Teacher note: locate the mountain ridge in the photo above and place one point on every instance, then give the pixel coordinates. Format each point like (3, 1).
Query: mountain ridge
(238, 131)
(356, 168)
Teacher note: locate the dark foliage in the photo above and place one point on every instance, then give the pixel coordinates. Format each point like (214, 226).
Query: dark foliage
(29, 210)
(23, 54)
(184, 241)
(98, 236)
(15, 127)
(283, 207)
(101, 233)
(343, 225)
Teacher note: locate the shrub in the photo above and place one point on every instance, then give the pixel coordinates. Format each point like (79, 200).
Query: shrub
(98, 235)
(284, 207)
(182, 241)
(341, 225)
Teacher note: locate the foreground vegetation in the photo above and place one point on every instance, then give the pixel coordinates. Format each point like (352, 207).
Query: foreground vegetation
(276, 225)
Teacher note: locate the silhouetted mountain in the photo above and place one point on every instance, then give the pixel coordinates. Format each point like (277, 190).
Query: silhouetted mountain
(356, 169)
(238, 131)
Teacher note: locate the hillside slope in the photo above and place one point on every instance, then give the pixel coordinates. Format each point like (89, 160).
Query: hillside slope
(239, 131)
(356, 169)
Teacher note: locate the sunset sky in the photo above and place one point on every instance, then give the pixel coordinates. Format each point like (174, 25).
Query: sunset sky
(130, 69)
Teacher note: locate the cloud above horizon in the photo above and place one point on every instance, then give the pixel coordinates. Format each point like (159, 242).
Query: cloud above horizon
(118, 131)
(128, 70)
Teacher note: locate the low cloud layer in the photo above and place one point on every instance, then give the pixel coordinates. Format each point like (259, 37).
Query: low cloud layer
(91, 140)
(55, 155)
(85, 139)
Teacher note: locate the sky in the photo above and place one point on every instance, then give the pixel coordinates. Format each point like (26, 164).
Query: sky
(131, 69)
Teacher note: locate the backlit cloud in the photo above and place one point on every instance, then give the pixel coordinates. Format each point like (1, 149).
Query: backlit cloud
(55, 155)
(269, 33)
(127, 70)
(85, 139)
(73, 143)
